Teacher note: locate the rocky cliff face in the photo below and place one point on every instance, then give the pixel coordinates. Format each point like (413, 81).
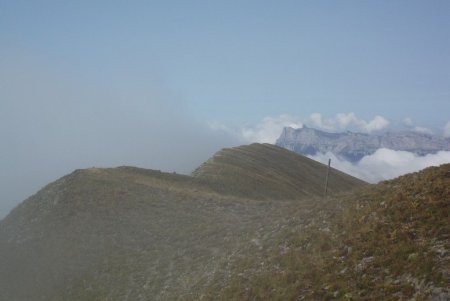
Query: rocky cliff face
(354, 146)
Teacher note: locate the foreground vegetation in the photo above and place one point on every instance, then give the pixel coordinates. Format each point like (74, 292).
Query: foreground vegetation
(134, 234)
(386, 242)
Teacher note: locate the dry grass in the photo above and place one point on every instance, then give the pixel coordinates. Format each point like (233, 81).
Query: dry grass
(268, 172)
(387, 242)
(135, 234)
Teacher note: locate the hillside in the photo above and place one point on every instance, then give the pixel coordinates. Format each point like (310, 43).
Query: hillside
(269, 172)
(134, 234)
(129, 233)
(354, 146)
(118, 234)
(389, 241)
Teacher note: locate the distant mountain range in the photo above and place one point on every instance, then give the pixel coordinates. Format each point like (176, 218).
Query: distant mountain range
(354, 146)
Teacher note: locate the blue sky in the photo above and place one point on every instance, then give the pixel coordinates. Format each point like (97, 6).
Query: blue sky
(239, 61)
(88, 83)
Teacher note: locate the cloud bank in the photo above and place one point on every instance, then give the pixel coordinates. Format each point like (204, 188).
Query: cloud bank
(347, 121)
(385, 164)
(269, 129)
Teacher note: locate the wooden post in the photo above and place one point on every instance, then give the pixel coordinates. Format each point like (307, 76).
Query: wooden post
(326, 179)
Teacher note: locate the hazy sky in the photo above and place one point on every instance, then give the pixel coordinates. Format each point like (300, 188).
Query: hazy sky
(159, 84)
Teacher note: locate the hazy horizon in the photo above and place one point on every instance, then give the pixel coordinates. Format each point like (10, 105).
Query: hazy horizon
(164, 85)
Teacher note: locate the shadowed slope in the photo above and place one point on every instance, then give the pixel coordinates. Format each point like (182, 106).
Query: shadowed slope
(265, 171)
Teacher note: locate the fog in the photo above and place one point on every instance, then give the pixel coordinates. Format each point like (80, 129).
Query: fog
(52, 123)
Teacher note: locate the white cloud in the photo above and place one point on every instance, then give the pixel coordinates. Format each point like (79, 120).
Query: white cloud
(376, 124)
(269, 129)
(447, 130)
(408, 121)
(345, 119)
(348, 121)
(318, 121)
(409, 124)
(385, 163)
(423, 130)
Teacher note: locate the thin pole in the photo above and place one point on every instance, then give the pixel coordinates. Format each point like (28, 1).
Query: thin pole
(326, 179)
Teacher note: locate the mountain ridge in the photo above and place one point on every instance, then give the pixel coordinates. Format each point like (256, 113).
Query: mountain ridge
(280, 173)
(96, 234)
(354, 146)
(128, 233)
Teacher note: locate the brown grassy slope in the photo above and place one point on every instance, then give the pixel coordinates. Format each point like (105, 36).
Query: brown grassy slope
(129, 233)
(112, 234)
(104, 234)
(389, 241)
(266, 171)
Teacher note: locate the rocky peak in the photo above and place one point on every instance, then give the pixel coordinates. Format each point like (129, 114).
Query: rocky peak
(353, 146)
